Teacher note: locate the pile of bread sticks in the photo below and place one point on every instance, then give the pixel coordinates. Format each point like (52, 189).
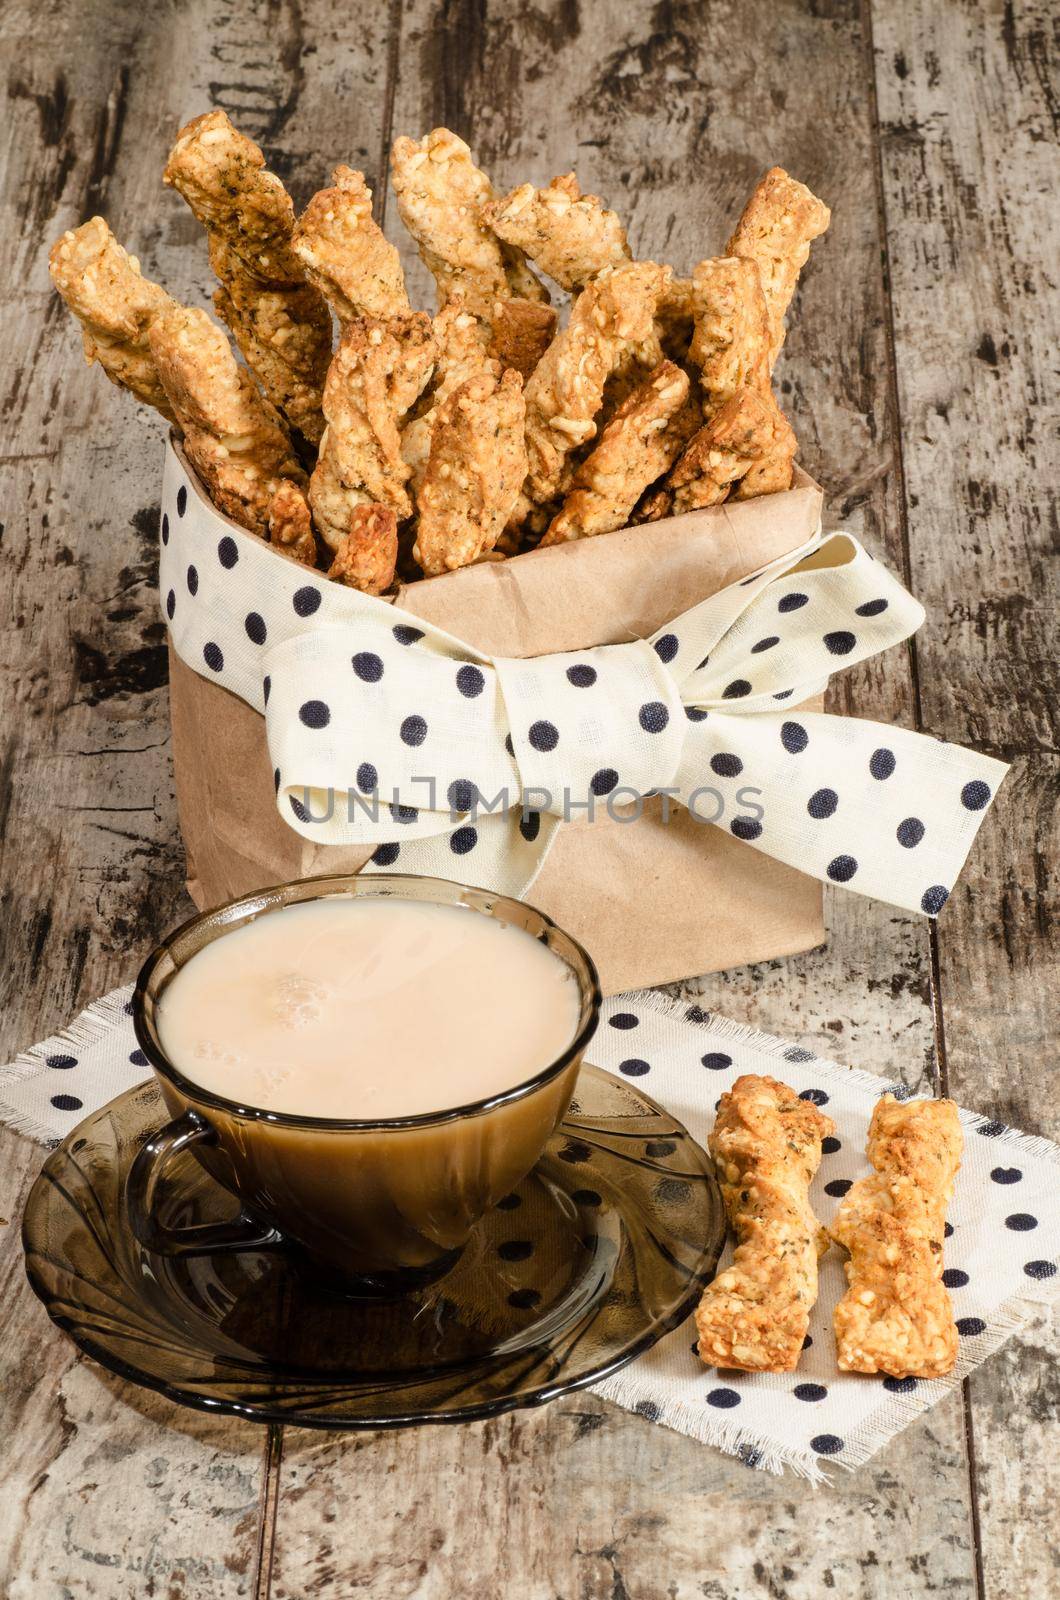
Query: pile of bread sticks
(896, 1316)
(422, 444)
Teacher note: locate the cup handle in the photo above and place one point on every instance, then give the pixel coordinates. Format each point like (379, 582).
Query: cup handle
(242, 1233)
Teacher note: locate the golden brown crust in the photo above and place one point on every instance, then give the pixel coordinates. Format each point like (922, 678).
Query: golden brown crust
(611, 329)
(461, 340)
(638, 445)
(367, 555)
(521, 332)
(345, 254)
(233, 438)
(749, 439)
(896, 1316)
(376, 375)
(116, 306)
(731, 334)
(571, 236)
(279, 321)
(290, 523)
(473, 477)
(766, 1143)
(778, 225)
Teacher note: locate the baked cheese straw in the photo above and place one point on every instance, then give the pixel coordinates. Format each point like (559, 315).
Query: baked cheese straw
(779, 223)
(748, 443)
(367, 556)
(638, 445)
(731, 335)
(279, 321)
(896, 1316)
(766, 1143)
(520, 333)
(345, 254)
(116, 306)
(461, 341)
(475, 471)
(570, 236)
(440, 195)
(378, 372)
(611, 326)
(290, 522)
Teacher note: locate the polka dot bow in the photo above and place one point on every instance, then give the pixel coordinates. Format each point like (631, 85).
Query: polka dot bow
(388, 733)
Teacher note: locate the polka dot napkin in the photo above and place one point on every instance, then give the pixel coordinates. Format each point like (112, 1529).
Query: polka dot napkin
(1001, 1252)
(388, 733)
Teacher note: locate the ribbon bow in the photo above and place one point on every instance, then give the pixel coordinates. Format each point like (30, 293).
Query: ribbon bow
(386, 732)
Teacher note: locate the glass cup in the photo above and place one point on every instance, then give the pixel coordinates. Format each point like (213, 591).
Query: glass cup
(382, 1205)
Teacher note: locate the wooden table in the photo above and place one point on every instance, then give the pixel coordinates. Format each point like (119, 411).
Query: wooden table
(916, 371)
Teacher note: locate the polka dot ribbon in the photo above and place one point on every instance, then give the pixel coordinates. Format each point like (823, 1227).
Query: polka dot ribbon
(386, 732)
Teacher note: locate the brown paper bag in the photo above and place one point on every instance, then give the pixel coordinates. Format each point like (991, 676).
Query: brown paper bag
(652, 901)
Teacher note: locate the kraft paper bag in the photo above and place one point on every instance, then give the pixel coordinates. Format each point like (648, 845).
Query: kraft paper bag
(653, 900)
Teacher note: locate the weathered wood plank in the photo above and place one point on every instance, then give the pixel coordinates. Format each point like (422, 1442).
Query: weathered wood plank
(968, 146)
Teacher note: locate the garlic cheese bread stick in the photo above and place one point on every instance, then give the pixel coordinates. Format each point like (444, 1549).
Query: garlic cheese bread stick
(779, 223)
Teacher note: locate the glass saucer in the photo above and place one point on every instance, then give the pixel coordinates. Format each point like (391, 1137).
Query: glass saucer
(600, 1251)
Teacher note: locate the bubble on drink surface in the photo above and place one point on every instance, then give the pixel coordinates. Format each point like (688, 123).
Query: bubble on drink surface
(210, 1050)
(298, 1000)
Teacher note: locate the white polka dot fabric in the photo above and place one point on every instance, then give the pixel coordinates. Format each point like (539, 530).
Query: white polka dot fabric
(1002, 1247)
(385, 731)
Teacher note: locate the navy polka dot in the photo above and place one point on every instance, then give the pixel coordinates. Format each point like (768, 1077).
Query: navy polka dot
(508, 745)
(899, 1385)
(413, 731)
(385, 855)
(1006, 1175)
(255, 626)
(840, 643)
(574, 1152)
(723, 1399)
(841, 869)
(524, 1299)
(314, 714)
(543, 735)
(659, 1147)
(933, 899)
(765, 644)
(726, 766)
(816, 1097)
(228, 552)
(66, 1102)
(810, 1391)
(463, 840)
(871, 608)
(697, 1014)
(826, 1444)
(1021, 1222)
(510, 1202)
(624, 1020)
(822, 804)
(193, 581)
(954, 1278)
(461, 794)
(165, 528)
(182, 500)
(784, 694)
(968, 1327)
(406, 635)
(367, 779)
(402, 813)
(582, 676)
(647, 1408)
(792, 602)
(910, 832)
(991, 1130)
(61, 1063)
(138, 1059)
(794, 738)
(808, 1341)
(515, 1250)
(276, 780)
(587, 1197)
(298, 808)
(716, 1061)
(947, 1230)
(266, 688)
(795, 1052)
(604, 781)
(653, 717)
(736, 690)
(882, 763)
(696, 714)
(745, 828)
(830, 1146)
(1040, 1269)
(171, 604)
(750, 1455)
(367, 665)
(666, 647)
(974, 796)
(470, 682)
(306, 601)
(530, 825)
(838, 1187)
(634, 1067)
(211, 654)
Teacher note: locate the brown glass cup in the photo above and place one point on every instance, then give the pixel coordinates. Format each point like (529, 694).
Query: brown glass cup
(379, 1205)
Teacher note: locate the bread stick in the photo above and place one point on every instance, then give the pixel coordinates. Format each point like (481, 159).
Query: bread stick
(731, 334)
(749, 439)
(779, 223)
(345, 254)
(290, 522)
(766, 1142)
(896, 1316)
(367, 554)
(570, 236)
(520, 333)
(461, 340)
(474, 473)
